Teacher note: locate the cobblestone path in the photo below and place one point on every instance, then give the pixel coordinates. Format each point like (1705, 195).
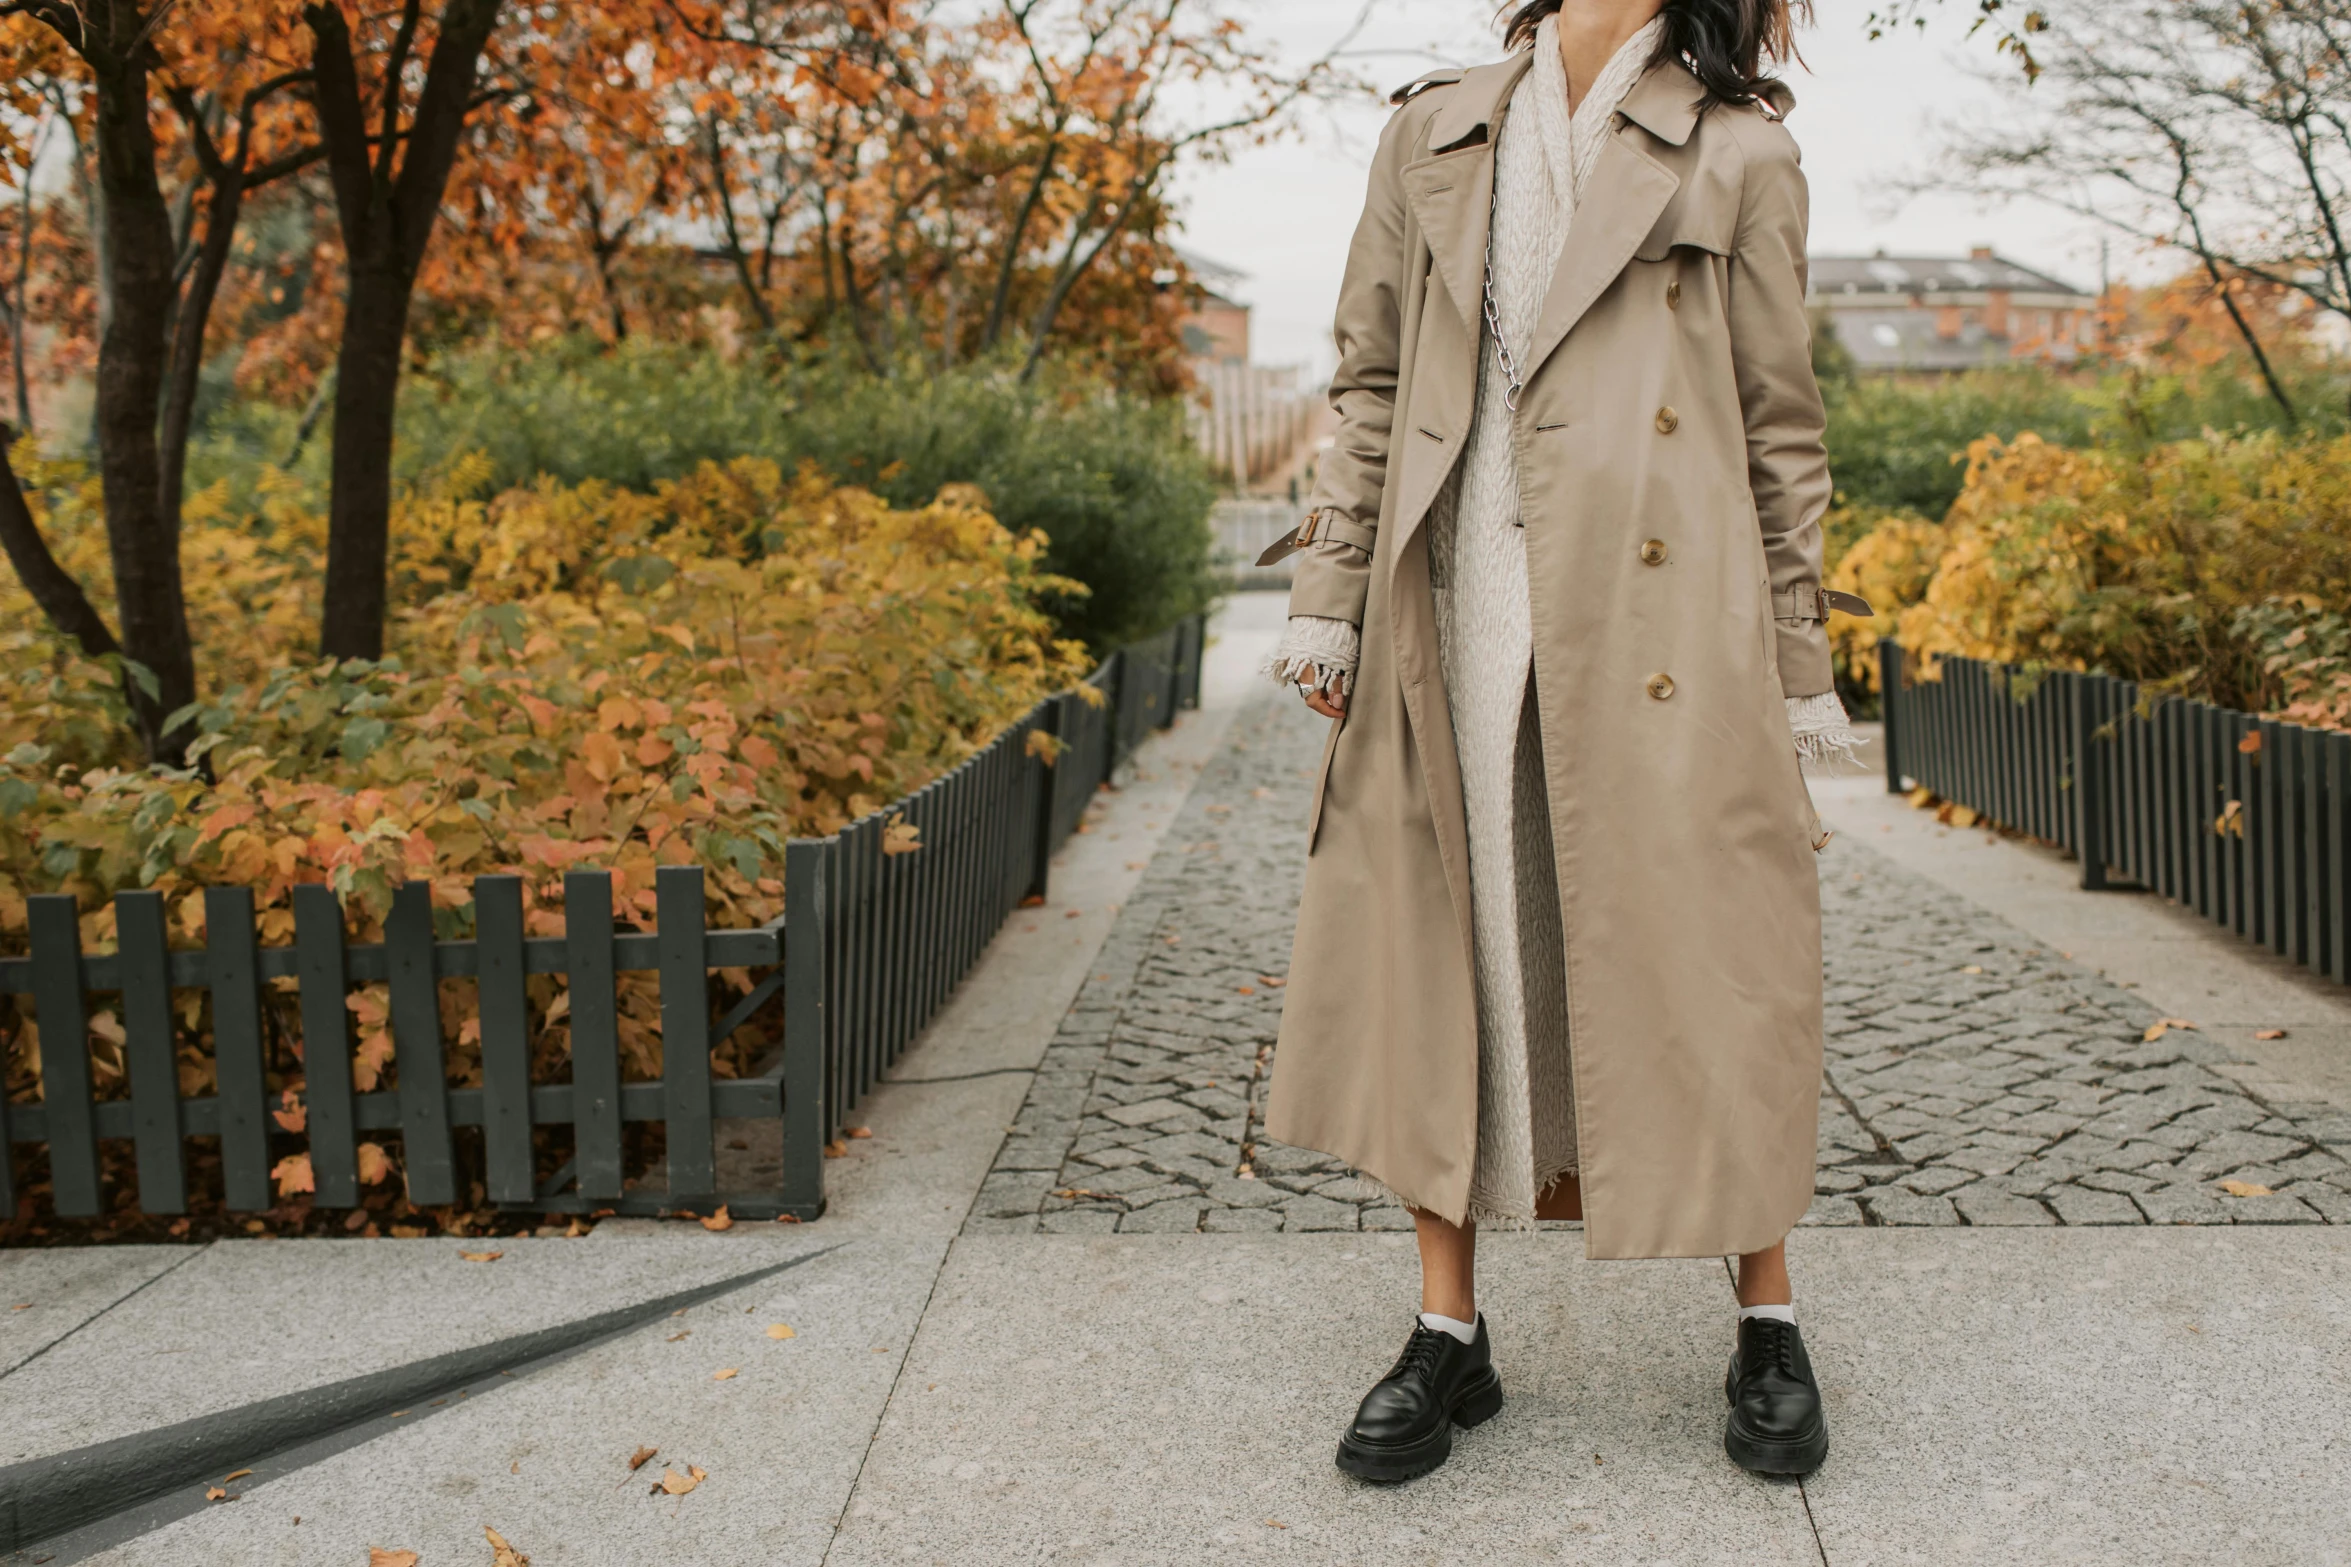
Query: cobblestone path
(1973, 1076)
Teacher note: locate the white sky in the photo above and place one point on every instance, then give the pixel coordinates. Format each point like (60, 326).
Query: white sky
(1864, 112)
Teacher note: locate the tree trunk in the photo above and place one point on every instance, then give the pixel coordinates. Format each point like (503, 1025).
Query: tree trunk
(137, 288)
(53, 588)
(387, 223)
(359, 508)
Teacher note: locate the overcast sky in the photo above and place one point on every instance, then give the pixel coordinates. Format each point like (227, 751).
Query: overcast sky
(1865, 111)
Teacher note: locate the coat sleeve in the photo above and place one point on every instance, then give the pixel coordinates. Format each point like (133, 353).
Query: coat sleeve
(1333, 578)
(1771, 354)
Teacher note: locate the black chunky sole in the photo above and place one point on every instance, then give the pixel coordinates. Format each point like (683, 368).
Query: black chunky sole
(1479, 1400)
(1794, 1456)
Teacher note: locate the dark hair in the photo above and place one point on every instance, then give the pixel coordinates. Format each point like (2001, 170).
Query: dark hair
(1725, 43)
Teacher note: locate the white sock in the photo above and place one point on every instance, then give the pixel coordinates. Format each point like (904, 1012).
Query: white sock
(1785, 1314)
(1467, 1332)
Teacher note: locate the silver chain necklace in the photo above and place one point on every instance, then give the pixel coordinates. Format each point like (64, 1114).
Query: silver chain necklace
(1514, 382)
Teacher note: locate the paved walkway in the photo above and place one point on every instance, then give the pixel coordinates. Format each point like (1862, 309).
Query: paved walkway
(1069, 1306)
(1975, 1076)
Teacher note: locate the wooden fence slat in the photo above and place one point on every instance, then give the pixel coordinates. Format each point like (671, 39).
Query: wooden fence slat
(7, 1162)
(150, 1050)
(808, 864)
(504, 1000)
(326, 1045)
(54, 922)
(2338, 856)
(685, 1030)
(595, 1032)
(2311, 779)
(239, 1051)
(416, 1043)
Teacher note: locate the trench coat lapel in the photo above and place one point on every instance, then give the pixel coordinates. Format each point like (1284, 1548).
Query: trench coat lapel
(1626, 192)
(1451, 194)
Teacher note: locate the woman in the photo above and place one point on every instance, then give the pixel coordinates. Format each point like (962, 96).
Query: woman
(1559, 949)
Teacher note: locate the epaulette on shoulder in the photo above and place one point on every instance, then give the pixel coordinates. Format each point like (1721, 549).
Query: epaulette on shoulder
(1420, 84)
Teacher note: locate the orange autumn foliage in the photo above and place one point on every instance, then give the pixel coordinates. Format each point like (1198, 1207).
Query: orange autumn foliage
(580, 678)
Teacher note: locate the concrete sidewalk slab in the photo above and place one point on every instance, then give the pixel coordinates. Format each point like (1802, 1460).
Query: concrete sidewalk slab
(247, 1320)
(47, 1294)
(2045, 1397)
(1146, 1399)
(544, 1459)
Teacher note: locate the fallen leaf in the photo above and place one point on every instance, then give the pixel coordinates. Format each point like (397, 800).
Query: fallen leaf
(2250, 745)
(2259, 1033)
(787, 1218)
(2181, 1022)
(1033, 901)
(1248, 990)
(1973, 968)
(375, 1165)
(1271, 984)
(721, 1220)
(1275, 1523)
(377, 1556)
(507, 1555)
(481, 1256)
(780, 1330)
(674, 1337)
(1921, 797)
(213, 1493)
(410, 1232)
(639, 1458)
(1073, 1193)
(727, 1375)
(234, 1474)
(836, 1149)
(860, 1131)
(679, 1484)
(2246, 1189)
(22, 1306)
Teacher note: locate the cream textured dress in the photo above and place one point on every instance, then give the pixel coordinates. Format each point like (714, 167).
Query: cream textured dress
(1478, 570)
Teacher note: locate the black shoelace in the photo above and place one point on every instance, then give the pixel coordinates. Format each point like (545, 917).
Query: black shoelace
(1776, 1343)
(1421, 1352)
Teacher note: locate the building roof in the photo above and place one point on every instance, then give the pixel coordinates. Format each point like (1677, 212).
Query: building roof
(1901, 276)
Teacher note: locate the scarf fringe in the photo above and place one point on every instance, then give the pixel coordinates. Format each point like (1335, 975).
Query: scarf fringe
(1316, 651)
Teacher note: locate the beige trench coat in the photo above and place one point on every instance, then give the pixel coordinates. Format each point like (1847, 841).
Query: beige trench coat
(1672, 479)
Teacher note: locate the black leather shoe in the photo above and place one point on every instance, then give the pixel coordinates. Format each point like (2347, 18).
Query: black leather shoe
(1776, 1425)
(1404, 1428)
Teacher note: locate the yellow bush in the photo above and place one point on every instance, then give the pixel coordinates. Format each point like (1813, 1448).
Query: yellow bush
(2183, 566)
(579, 677)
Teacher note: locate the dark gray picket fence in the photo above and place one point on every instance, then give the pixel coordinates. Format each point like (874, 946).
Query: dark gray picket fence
(2243, 819)
(871, 945)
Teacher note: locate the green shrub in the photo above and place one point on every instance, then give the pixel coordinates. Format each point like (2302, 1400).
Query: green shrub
(1113, 481)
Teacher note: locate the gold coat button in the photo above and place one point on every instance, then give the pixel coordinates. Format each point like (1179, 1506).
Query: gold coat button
(1661, 687)
(1668, 421)
(1653, 552)
(1673, 294)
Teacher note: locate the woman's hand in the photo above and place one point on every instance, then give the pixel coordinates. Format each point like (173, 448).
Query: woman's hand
(1331, 704)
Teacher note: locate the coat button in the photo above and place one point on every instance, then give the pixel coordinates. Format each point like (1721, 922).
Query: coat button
(1673, 294)
(1653, 552)
(1661, 687)
(1668, 421)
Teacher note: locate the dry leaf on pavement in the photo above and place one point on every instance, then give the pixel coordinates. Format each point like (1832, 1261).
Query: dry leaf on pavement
(860, 1131)
(679, 1484)
(481, 1256)
(2269, 1033)
(507, 1555)
(213, 1493)
(234, 1474)
(2246, 1189)
(674, 1337)
(727, 1375)
(721, 1220)
(638, 1459)
(377, 1556)
(780, 1330)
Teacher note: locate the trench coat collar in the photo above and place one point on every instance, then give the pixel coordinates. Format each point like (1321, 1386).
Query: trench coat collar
(1451, 193)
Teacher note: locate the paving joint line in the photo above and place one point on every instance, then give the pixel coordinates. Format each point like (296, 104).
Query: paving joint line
(126, 1295)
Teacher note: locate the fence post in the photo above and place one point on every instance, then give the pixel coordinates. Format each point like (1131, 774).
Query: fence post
(685, 1030)
(1041, 851)
(806, 861)
(2089, 783)
(1889, 697)
(56, 947)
